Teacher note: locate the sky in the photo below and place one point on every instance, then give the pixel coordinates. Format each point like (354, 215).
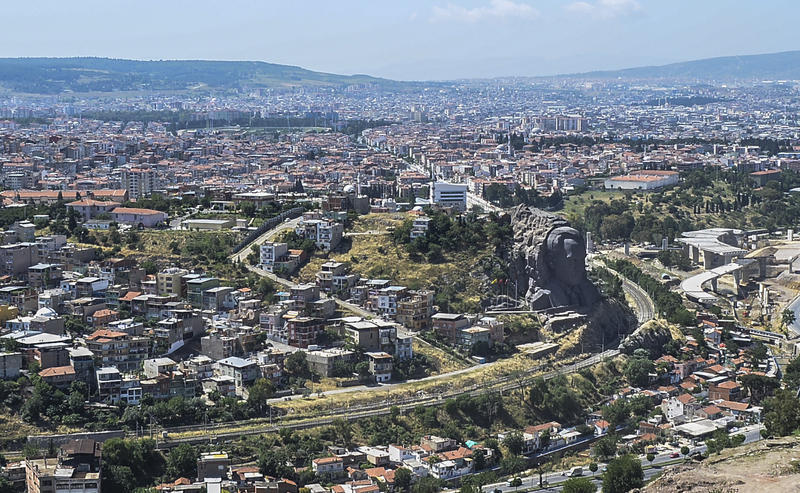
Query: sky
(407, 39)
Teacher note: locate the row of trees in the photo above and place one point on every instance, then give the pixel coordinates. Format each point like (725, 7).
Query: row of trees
(666, 302)
(504, 196)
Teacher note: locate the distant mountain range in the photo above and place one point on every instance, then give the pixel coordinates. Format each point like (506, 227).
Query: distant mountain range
(82, 75)
(57, 75)
(770, 66)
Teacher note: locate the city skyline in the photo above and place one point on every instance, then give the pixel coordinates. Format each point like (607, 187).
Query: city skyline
(412, 41)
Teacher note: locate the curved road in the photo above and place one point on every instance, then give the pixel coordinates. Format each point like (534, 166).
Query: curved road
(242, 254)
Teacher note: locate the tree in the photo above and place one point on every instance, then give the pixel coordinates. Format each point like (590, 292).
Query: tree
(638, 370)
(6, 486)
(782, 413)
(402, 480)
(788, 317)
(362, 368)
(31, 451)
(479, 459)
(182, 462)
(651, 457)
(684, 451)
(606, 447)
(343, 430)
(296, 364)
(511, 465)
(514, 443)
(623, 474)
(593, 466)
(118, 478)
(259, 393)
(544, 439)
(578, 485)
(427, 484)
(273, 463)
(791, 375)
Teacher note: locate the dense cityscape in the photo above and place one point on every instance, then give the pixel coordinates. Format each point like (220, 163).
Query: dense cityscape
(212, 279)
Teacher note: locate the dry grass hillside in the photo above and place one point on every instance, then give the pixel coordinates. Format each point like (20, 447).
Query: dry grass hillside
(768, 466)
(459, 277)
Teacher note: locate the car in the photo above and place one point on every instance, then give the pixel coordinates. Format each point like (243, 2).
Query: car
(674, 455)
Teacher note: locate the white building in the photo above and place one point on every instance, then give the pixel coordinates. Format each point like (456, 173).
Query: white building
(449, 195)
(420, 227)
(325, 234)
(271, 253)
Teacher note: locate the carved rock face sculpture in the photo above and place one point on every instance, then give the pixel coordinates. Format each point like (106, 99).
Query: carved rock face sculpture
(549, 257)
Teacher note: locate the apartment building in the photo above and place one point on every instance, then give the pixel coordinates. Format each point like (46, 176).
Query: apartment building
(196, 287)
(325, 234)
(274, 257)
(303, 331)
(124, 351)
(419, 228)
(170, 282)
(386, 300)
(244, 372)
(139, 182)
(380, 366)
(333, 277)
(449, 325)
(15, 259)
(414, 311)
(10, 364)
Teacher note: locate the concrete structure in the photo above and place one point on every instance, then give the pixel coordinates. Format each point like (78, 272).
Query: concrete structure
(158, 366)
(10, 364)
(208, 224)
(713, 247)
(78, 469)
(693, 286)
(643, 180)
(325, 234)
(244, 372)
(213, 465)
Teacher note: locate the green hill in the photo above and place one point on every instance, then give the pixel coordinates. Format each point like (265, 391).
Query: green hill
(57, 75)
(770, 66)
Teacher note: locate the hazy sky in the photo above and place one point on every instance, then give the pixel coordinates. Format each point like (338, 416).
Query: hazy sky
(407, 39)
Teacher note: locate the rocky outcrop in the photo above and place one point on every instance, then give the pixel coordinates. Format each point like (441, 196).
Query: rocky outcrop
(548, 261)
(652, 336)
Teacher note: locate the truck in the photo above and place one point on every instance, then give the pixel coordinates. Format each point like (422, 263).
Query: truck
(575, 472)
